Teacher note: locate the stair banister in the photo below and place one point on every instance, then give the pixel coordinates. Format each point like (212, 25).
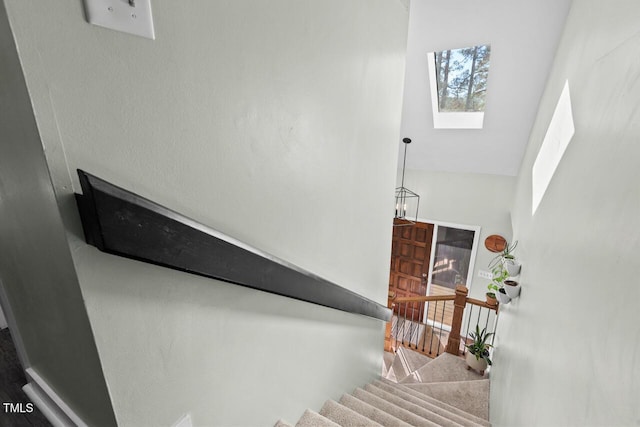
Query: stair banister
(453, 344)
(461, 304)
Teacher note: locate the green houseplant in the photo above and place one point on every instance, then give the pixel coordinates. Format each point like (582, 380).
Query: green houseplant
(496, 287)
(507, 259)
(478, 350)
(499, 276)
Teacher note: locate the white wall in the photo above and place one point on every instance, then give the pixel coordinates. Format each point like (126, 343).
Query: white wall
(569, 349)
(467, 199)
(274, 122)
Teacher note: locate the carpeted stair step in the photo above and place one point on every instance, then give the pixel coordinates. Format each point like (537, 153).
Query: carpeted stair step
(391, 376)
(371, 412)
(282, 423)
(470, 396)
(432, 404)
(407, 361)
(387, 358)
(343, 416)
(441, 420)
(445, 367)
(392, 409)
(313, 419)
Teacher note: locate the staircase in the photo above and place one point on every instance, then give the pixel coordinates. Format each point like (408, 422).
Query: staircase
(413, 390)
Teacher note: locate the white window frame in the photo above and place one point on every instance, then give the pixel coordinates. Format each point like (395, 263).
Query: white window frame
(449, 120)
(472, 262)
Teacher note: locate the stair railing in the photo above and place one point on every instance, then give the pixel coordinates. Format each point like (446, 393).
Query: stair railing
(421, 323)
(436, 324)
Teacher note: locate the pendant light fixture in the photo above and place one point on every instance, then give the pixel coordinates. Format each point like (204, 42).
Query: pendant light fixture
(407, 202)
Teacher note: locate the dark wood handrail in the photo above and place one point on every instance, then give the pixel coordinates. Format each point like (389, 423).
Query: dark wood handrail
(481, 304)
(123, 223)
(469, 300)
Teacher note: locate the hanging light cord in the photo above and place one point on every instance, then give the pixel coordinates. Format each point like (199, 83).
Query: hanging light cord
(404, 163)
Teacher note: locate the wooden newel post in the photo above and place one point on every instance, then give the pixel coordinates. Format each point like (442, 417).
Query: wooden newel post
(388, 345)
(453, 345)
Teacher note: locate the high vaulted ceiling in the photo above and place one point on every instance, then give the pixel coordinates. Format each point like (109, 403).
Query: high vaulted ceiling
(523, 35)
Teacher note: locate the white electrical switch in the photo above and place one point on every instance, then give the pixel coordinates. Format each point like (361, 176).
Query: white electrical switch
(485, 274)
(129, 16)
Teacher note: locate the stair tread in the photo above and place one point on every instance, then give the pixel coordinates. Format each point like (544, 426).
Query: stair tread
(313, 419)
(387, 361)
(344, 416)
(393, 409)
(444, 368)
(387, 358)
(407, 361)
(431, 403)
(470, 396)
(436, 392)
(371, 412)
(391, 375)
(442, 418)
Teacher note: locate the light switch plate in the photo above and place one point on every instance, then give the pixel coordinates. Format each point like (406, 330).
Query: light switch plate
(132, 17)
(485, 274)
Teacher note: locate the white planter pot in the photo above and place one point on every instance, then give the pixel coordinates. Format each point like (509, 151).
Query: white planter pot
(476, 364)
(512, 291)
(503, 298)
(512, 266)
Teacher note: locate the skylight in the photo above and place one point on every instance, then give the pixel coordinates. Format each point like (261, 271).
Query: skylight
(458, 80)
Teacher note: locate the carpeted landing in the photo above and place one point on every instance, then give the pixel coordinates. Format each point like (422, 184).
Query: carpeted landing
(414, 390)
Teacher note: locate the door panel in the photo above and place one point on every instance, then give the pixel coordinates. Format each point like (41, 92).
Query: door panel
(410, 255)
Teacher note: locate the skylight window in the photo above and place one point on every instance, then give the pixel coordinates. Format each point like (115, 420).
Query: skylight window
(458, 80)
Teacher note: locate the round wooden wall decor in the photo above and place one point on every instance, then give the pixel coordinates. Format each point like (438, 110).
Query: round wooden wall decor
(495, 243)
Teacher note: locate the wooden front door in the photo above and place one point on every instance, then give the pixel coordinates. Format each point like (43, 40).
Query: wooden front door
(410, 255)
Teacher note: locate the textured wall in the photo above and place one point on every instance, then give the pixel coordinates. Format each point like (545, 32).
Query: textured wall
(276, 123)
(569, 348)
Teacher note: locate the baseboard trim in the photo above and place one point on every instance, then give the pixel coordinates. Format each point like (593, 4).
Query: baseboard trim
(41, 402)
(49, 403)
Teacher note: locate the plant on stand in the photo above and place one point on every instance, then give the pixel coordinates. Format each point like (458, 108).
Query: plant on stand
(478, 355)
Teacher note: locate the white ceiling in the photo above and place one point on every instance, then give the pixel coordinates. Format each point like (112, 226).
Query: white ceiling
(523, 35)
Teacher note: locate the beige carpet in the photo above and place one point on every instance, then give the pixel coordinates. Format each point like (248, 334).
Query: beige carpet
(460, 394)
(438, 392)
(406, 362)
(445, 367)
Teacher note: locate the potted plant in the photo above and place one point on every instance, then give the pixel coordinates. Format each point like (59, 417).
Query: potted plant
(478, 351)
(496, 286)
(507, 259)
(491, 298)
(502, 296)
(512, 288)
